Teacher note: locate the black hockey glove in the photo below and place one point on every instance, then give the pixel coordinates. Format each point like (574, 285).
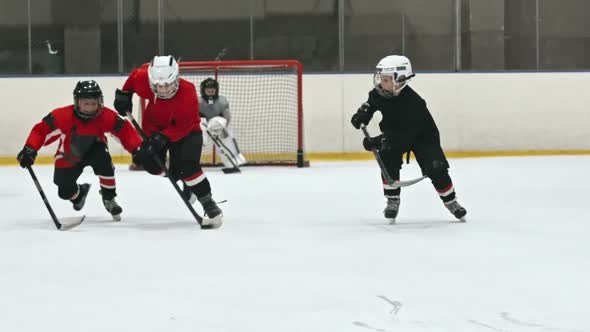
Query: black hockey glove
(154, 145)
(123, 102)
(370, 143)
(138, 156)
(26, 157)
(362, 116)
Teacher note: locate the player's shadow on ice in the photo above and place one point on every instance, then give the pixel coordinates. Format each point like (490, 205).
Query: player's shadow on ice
(37, 223)
(412, 224)
(142, 224)
(40, 223)
(106, 223)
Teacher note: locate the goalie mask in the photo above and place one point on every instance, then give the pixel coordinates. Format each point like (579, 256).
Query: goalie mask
(164, 76)
(88, 100)
(210, 90)
(391, 75)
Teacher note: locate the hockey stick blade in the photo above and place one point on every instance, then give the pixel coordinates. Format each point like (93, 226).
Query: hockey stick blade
(400, 184)
(68, 226)
(212, 223)
(394, 184)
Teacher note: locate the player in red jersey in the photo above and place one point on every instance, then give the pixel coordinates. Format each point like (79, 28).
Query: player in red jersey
(172, 123)
(80, 129)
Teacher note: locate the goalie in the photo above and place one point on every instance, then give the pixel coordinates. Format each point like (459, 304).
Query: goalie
(215, 118)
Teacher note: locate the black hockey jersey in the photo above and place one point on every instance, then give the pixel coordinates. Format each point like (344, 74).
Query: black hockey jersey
(406, 120)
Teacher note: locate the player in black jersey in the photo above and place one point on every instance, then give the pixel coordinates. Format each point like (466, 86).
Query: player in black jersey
(407, 125)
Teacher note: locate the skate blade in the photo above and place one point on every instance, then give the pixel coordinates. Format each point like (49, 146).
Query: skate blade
(116, 217)
(462, 219)
(392, 221)
(70, 225)
(212, 223)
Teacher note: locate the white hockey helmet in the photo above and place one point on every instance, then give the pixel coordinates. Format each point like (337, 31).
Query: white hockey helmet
(163, 73)
(398, 67)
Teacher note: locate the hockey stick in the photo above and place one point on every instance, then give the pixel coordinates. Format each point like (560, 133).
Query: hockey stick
(228, 154)
(390, 181)
(221, 54)
(169, 176)
(58, 225)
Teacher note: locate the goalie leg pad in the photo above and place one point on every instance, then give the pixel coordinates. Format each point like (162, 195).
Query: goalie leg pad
(230, 146)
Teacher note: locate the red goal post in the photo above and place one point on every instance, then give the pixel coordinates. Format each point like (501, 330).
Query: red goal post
(266, 106)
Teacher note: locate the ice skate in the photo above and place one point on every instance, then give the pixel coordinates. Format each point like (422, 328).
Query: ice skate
(457, 210)
(213, 214)
(112, 207)
(392, 208)
(80, 200)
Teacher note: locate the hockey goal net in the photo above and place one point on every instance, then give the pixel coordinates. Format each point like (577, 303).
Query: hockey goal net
(266, 109)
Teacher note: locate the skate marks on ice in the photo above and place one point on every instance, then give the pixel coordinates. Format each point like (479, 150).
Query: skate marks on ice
(508, 322)
(487, 326)
(396, 306)
(519, 325)
(506, 316)
(533, 326)
(367, 326)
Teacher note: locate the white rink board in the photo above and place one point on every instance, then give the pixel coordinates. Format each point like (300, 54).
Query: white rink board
(482, 112)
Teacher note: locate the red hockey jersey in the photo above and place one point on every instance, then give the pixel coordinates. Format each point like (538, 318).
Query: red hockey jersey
(76, 136)
(176, 117)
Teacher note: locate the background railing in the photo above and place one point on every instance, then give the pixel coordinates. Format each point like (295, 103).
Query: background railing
(44, 37)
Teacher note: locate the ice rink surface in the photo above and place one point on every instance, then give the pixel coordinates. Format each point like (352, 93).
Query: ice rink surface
(305, 250)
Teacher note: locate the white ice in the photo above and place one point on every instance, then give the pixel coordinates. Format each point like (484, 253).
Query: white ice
(305, 250)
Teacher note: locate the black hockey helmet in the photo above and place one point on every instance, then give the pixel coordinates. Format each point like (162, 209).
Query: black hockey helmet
(87, 89)
(210, 83)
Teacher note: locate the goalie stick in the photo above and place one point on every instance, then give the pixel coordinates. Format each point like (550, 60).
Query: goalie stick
(390, 181)
(169, 176)
(228, 154)
(60, 226)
